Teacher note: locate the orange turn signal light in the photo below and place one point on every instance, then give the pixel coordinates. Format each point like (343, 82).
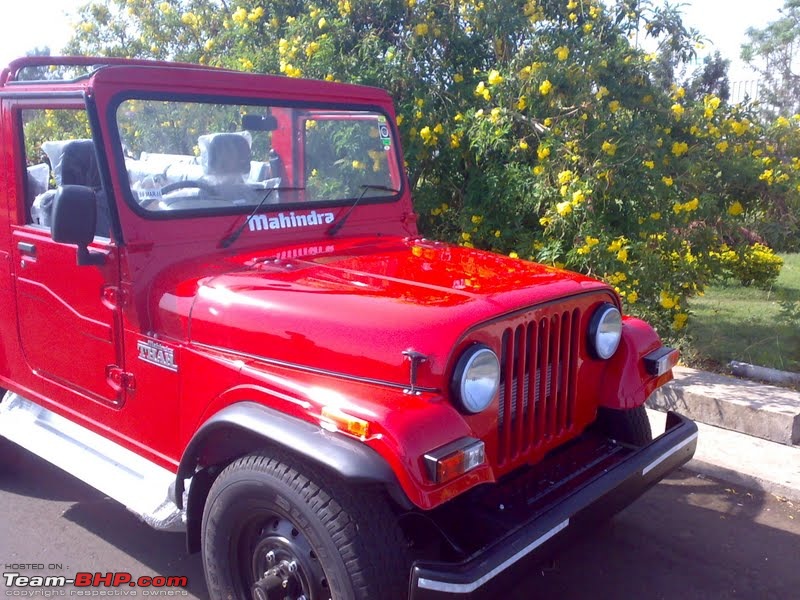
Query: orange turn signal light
(454, 459)
(346, 423)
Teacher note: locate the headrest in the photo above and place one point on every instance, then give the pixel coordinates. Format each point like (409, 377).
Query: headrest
(225, 154)
(74, 162)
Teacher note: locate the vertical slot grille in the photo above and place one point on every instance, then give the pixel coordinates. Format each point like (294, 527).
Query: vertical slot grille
(537, 391)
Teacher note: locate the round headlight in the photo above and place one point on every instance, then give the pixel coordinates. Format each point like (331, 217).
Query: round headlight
(605, 331)
(476, 379)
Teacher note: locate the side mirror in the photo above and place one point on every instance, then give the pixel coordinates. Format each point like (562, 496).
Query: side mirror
(74, 219)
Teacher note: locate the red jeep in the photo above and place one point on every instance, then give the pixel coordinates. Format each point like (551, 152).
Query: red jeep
(219, 312)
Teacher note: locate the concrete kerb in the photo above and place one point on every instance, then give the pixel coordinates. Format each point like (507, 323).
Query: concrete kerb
(764, 411)
(747, 430)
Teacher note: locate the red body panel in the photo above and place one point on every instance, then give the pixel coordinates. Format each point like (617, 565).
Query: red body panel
(292, 318)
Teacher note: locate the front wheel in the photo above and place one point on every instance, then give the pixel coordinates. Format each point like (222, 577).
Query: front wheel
(629, 426)
(273, 530)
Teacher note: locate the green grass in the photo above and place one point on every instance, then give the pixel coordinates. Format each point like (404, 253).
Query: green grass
(732, 322)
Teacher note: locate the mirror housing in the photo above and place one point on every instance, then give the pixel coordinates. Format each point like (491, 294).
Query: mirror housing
(74, 219)
(259, 122)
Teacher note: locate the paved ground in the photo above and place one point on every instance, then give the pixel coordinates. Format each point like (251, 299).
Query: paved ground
(689, 538)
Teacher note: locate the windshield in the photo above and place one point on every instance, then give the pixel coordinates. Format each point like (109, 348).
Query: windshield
(203, 157)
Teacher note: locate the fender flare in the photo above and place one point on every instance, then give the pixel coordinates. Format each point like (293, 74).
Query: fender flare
(350, 459)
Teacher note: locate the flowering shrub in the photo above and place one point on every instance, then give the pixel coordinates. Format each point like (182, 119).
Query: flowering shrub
(532, 129)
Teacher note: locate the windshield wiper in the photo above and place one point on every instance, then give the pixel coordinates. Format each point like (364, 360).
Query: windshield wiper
(234, 235)
(334, 229)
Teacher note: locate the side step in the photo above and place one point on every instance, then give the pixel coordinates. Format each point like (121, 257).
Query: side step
(141, 485)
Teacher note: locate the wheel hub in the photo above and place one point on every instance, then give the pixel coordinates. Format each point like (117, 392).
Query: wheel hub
(284, 567)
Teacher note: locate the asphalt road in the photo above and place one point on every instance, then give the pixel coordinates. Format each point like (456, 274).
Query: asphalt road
(689, 538)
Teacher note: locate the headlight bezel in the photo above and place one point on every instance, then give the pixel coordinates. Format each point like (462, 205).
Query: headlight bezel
(463, 400)
(604, 351)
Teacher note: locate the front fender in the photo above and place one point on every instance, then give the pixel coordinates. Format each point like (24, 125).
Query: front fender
(625, 382)
(347, 457)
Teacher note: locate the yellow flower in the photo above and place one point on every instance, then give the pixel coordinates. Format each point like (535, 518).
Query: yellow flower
(522, 103)
(255, 14)
(458, 78)
(679, 322)
(523, 145)
(562, 53)
(656, 216)
(609, 148)
(613, 106)
(680, 92)
(427, 135)
(311, 49)
(667, 300)
(455, 140)
(543, 152)
(565, 177)
(421, 29)
(622, 256)
(649, 164)
(438, 129)
(513, 255)
(680, 148)
(563, 208)
(538, 170)
(667, 181)
(400, 120)
(735, 209)
(602, 92)
(594, 11)
(344, 7)
(466, 236)
(722, 146)
(545, 87)
(476, 219)
(587, 27)
(678, 111)
(632, 297)
(322, 23)
(358, 165)
(482, 90)
(494, 77)
(239, 17)
(572, 17)
(572, 5)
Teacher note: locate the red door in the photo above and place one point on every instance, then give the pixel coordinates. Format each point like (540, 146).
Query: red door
(67, 315)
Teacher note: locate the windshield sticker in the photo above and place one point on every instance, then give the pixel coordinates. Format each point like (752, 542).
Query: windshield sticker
(385, 138)
(289, 221)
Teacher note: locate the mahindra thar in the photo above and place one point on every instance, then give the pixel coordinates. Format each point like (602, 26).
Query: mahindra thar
(219, 312)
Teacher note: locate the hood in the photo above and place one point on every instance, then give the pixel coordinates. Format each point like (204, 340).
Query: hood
(353, 306)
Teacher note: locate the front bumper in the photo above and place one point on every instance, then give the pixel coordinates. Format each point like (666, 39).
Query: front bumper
(585, 482)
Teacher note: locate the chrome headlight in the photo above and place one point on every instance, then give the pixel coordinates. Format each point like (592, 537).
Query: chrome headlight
(605, 331)
(476, 379)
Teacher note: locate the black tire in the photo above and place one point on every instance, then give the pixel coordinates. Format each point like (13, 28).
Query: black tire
(264, 513)
(627, 426)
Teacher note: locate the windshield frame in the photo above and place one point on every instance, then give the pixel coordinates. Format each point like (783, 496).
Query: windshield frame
(115, 140)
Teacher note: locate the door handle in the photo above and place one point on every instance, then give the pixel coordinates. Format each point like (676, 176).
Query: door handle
(26, 247)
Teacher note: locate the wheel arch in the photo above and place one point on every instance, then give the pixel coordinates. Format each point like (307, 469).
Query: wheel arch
(246, 427)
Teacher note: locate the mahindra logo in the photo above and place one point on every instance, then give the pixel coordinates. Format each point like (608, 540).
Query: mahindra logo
(289, 221)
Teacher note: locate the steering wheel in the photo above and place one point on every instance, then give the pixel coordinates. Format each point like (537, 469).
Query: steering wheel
(190, 183)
